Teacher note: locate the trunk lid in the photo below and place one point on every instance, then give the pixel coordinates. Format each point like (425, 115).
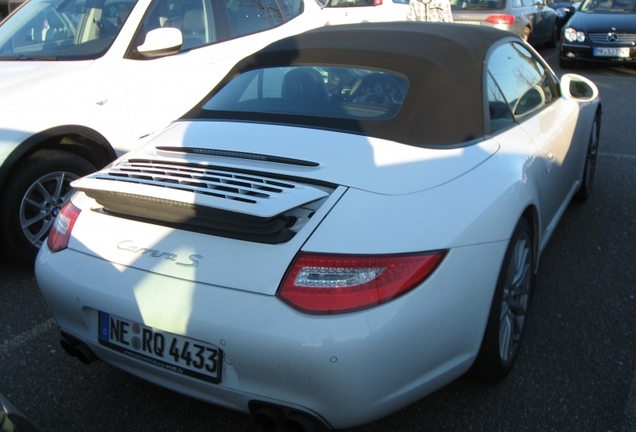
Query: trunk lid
(230, 204)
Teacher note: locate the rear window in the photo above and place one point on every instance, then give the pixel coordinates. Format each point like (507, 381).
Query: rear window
(314, 91)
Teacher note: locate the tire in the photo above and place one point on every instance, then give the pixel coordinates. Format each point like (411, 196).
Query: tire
(590, 162)
(509, 309)
(526, 34)
(34, 196)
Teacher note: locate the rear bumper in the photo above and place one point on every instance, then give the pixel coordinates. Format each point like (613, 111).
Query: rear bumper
(346, 369)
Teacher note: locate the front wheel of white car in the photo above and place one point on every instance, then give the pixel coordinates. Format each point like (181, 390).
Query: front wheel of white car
(590, 162)
(509, 309)
(34, 196)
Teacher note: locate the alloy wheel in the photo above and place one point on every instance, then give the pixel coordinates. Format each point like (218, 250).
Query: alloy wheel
(41, 204)
(515, 300)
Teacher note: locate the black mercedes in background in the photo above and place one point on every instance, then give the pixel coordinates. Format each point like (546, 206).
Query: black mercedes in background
(601, 31)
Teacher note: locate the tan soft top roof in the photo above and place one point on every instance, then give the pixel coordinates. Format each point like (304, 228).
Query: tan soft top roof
(444, 64)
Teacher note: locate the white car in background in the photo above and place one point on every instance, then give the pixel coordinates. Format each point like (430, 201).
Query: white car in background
(358, 11)
(82, 81)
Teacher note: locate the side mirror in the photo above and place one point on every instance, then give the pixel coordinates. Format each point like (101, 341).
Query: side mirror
(577, 87)
(161, 42)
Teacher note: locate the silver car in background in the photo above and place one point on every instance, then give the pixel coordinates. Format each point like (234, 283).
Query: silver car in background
(531, 20)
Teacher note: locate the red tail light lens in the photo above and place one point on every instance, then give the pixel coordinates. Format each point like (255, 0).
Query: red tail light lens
(61, 229)
(326, 284)
(501, 19)
(377, 2)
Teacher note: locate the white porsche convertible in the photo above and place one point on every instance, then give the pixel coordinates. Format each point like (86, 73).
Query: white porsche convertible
(337, 230)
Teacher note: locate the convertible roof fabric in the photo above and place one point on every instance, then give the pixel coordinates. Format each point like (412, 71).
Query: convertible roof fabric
(444, 64)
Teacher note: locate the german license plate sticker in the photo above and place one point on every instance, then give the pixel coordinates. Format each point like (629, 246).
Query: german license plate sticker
(172, 352)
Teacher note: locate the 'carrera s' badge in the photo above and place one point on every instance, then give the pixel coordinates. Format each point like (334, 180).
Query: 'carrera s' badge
(126, 245)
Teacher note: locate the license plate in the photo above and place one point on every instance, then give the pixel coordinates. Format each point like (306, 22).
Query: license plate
(161, 349)
(611, 52)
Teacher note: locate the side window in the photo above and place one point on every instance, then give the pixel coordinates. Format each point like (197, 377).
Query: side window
(290, 8)
(249, 16)
(516, 3)
(193, 17)
(526, 84)
(253, 16)
(498, 109)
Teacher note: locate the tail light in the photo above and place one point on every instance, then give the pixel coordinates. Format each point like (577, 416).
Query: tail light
(501, 19)
(377, 2)
(326, 284)
(61, 229)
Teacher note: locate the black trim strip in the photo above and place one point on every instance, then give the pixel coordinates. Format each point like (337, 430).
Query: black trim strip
(238, 155)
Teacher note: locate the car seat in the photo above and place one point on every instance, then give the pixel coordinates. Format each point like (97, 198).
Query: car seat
(304, 85)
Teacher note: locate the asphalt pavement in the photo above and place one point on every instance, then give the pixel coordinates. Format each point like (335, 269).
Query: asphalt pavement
(576, 370)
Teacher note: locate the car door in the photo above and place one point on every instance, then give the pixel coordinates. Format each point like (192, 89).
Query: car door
(530, 14)
(530, 89)
(543, 19)
(546, 19)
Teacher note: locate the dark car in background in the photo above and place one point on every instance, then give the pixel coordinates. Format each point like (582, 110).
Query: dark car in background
(600, 32)
(532, 20)
(564, 10)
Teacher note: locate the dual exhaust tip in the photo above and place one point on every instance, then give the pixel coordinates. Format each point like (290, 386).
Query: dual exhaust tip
(76, 348)
(271, 418)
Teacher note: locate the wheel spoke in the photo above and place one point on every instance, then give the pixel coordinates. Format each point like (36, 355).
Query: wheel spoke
(505, 337)
(42, 232)
(69, 193)
(47, 197)
(58, 187)
(517, 309)
(40, 205)
(26, 223)
(519, 288)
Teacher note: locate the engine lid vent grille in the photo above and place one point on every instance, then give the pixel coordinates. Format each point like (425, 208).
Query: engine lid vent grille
(201, 186)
